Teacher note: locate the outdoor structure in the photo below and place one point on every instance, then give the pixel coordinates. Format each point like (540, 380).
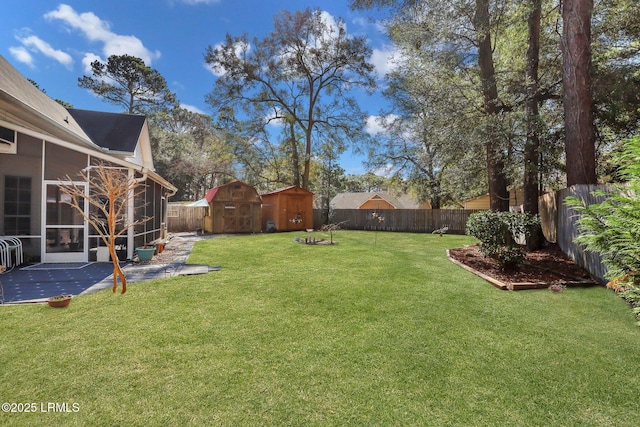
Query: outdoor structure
(41, 143)
(376, 201)
(287, 209)
(187, 216)
(233, 208)
(516, 198)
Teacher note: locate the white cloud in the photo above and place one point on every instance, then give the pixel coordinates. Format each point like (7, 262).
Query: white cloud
(385, 59)
(192, 108)
(37, 44)
(97, 30)
(377, 125)
(21, 54)
(386, 171)
(87, 60)
(368, 24)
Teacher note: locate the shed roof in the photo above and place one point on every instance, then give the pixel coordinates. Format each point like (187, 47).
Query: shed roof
(211, 194)
(295, 188)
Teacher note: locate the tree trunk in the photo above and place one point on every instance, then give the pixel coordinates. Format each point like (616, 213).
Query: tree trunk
(295, 157)
(578, 113)
(532, 145)
(498, 194)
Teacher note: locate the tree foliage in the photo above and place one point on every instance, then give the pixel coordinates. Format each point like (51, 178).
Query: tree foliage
(128, 82)
(297, 77)
(498, 233)
(441, 73)
(190, 152)
(612, 228)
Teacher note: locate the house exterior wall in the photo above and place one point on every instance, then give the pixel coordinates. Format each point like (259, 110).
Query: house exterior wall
(60, 162)
(27, 162)
(481, 202)
(516, 197)
(376, 204)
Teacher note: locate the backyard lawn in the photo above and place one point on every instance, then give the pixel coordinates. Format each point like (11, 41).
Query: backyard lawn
(380, 329)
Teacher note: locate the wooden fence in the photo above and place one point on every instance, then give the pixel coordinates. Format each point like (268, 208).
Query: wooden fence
(181, 218)
(559, 225)
(407, 220)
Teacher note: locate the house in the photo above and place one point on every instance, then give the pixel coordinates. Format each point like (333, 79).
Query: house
(376, 201)
(42, 143)
(516, 198)
(287, 209)
(235, 207)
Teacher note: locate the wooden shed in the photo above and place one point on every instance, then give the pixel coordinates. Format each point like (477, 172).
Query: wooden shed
(287, 209)
(233, 208)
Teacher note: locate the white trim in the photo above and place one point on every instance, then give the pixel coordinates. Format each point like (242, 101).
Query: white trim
(47, 257)
(98, 152)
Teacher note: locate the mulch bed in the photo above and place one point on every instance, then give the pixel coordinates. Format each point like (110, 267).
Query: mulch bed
(541, 269)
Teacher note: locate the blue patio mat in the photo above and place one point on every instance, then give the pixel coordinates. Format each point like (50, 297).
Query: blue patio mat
(46, 280)
(36, 282)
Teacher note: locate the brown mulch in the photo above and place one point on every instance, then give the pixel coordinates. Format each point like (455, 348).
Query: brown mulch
(541, 268)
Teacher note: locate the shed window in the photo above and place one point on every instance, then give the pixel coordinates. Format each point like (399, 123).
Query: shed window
(17, 205)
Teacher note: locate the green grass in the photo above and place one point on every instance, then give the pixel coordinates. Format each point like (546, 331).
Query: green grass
(379, 330)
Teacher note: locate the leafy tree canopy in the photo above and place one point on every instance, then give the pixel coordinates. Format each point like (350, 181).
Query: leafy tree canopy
(128, 82)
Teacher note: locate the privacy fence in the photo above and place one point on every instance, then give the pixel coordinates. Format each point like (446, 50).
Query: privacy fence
(559, 225)
(181, 218)
(407, 220)
(558, 221)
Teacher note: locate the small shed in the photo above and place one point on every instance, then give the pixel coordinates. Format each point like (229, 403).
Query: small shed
(235, 207)
(287, 209)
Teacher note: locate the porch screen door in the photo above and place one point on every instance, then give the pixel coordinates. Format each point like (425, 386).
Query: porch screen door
(64, 227)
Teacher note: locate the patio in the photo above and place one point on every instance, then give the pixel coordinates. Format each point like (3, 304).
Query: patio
(35, 283)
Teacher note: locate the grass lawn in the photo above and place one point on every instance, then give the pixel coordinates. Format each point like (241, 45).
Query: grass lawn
(379, 330)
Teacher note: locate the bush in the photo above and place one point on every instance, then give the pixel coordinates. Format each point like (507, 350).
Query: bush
(498, 233)
(612, 228)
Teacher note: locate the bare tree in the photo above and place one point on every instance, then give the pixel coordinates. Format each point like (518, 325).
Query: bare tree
(111, 191)
(299, 75)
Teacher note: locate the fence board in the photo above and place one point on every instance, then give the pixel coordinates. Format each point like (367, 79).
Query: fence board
(406, 220)
(182, 218)
(559, 222)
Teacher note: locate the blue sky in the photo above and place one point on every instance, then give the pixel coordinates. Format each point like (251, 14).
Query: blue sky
(53, 42)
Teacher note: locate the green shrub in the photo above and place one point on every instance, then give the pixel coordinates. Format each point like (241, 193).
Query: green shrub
(612, 228)
(498, 233)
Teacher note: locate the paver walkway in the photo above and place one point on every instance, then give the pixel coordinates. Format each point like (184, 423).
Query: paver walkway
(36, 283)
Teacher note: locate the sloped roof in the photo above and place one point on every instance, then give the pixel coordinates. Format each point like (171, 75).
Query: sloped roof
(283, 190)
(211, 194)
(26, 105)
(355, 200)
(116, 132)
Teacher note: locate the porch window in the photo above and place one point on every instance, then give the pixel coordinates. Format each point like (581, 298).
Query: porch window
(17, 205)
